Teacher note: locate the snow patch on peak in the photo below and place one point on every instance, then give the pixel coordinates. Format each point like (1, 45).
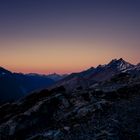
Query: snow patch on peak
(120, 64)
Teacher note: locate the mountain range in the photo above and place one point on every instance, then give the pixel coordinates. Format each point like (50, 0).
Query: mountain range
(16, 85)
(101, 103)
(101, 73)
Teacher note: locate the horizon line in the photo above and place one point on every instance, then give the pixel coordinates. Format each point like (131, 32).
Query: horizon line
(60, 72)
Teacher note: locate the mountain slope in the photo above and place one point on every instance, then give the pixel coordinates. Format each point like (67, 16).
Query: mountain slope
(16, 85)
(105, 72)
(105, 109)
(10, 88)
(4, 71)
(85, 114)
(94, 75)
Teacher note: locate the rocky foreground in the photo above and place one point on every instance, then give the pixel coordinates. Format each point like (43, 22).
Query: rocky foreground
(83, 114)
(102, 110)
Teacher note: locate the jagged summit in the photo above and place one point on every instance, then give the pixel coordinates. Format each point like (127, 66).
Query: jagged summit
(91, 68)
(114, 61)
(88, 70)
(120, 64)
(101, 66)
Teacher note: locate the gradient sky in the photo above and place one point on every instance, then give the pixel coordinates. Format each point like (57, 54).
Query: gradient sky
(64, 36)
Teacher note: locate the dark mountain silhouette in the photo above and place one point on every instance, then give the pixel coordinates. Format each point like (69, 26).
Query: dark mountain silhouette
(107, 109)
(4, 71)
(16, 85)
(10, 88)
(93, 75)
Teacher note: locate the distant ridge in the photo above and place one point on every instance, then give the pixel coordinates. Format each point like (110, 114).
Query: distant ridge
(15, 85)
(93, 75)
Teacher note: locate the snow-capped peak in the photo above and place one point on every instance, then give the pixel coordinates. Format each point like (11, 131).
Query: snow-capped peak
(120, 64)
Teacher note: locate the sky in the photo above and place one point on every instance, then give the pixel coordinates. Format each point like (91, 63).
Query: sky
(64, 36)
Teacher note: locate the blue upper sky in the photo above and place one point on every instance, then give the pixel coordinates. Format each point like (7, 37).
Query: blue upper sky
(46, 17)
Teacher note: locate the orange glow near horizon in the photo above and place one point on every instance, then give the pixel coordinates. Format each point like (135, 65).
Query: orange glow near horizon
(61, 56)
